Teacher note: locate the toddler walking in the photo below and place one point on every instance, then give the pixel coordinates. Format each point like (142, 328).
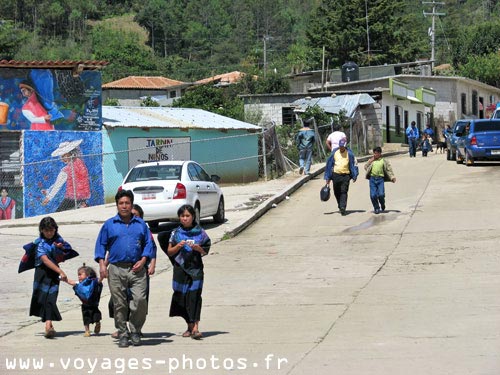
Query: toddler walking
(88, 288)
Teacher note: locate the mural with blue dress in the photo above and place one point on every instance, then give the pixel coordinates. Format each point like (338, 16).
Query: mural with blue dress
(50, 99)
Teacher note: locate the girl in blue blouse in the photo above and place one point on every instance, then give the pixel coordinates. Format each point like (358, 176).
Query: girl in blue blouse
(187, 244)
(48, 275)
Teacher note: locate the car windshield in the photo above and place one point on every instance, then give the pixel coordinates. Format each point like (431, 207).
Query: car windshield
(155, 172)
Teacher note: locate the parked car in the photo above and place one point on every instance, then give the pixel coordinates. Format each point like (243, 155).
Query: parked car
(160, 188)
(481, 141)
(451, 140)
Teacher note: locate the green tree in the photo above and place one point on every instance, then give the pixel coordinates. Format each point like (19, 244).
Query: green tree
(345, 26)
(11, 39)
(212, 99)
(484, 68)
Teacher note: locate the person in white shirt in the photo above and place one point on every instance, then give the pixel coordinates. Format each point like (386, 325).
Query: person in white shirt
(332, 142)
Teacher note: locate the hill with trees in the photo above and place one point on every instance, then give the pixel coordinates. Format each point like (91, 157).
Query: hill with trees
(190, 40)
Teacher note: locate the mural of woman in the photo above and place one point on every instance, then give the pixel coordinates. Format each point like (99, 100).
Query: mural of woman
(74, 174)
(7, 206)
(34, 112)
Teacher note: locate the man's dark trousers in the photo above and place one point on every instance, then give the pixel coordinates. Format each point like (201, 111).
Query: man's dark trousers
(340, 189)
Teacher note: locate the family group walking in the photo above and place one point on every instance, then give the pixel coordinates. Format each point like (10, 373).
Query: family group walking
(126, 253)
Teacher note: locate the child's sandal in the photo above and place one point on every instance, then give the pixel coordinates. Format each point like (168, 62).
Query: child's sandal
(86, 334)
(97, 328)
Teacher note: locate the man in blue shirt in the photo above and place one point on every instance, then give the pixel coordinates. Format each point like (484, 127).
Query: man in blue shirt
(126, 241)
(413, 135)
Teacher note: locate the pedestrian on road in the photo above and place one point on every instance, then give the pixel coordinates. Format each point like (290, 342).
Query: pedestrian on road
(413, 136)
(88, 289)
(305, 142)
(139, 212)
(187, 244)
(47, 275)
(127, 240)
(341, 167)
(425, 145)
(332, 142)
(378, 170)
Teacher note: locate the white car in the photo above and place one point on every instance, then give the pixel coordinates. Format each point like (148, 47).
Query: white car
(161, 188)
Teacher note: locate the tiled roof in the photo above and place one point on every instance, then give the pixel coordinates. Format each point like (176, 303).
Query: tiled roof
(65, 64)
(137, 82)
(226, 78)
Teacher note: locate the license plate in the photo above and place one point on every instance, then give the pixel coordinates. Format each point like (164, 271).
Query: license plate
(495, 152)
(149, 196)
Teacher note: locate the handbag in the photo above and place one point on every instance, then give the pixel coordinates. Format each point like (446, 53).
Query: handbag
(324, 193)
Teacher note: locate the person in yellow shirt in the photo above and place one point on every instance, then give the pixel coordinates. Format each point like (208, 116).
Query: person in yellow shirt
(378, 170)
(341, 168)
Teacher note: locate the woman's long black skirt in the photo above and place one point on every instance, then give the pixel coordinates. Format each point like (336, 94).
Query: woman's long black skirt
(186, 300)
(45, 291)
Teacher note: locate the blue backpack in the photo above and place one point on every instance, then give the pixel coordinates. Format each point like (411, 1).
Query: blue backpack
(89, 291)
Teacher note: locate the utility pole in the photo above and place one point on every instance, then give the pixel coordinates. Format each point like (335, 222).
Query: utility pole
(266, 37)
(432, 32)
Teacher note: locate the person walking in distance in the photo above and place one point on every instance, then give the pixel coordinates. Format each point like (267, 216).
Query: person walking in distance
(127, 239)
(378, 170)
(413, 137)
(305, 142)
(341, 167)
(332, 142)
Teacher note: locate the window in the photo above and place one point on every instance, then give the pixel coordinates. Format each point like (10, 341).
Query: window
(173, 94)
(288, 116)
(463, 103)
(397, 120)
(475, 109)
(419, 121)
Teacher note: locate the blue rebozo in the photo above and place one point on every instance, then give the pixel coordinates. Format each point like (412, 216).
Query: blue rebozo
(89, 291)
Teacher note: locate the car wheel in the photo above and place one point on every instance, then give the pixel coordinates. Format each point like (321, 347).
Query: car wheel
(220, 216)
(448, 155)
(469, 160)
(197, 217)
(453, 155)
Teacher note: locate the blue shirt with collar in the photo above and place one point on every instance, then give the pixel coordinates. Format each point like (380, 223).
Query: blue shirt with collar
(125, 242)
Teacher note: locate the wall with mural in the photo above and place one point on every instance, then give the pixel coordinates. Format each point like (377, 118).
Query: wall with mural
(50, 99)
(62, 171)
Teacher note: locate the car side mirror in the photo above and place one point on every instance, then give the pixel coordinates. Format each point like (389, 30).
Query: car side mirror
(215, 178)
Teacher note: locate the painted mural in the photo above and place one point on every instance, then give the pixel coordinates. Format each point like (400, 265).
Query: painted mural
(49, 99)
(62, 171)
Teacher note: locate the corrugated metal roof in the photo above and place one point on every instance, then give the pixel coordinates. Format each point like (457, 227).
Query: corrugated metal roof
(348, 103)
(165, 117)
(139, 82)
(65, 64)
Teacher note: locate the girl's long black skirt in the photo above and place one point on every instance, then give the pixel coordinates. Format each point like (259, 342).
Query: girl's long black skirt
(45, 291)
(186, 300)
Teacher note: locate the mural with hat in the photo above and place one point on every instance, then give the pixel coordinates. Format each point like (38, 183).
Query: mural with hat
(50, 99)
(63, 171)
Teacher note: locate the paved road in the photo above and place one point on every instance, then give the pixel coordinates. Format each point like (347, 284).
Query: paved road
(304, 290)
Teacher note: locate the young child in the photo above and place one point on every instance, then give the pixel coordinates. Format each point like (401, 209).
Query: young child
(426, 145)
(88, 288)
(47, 275)
(187, 244)
(378, 170)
